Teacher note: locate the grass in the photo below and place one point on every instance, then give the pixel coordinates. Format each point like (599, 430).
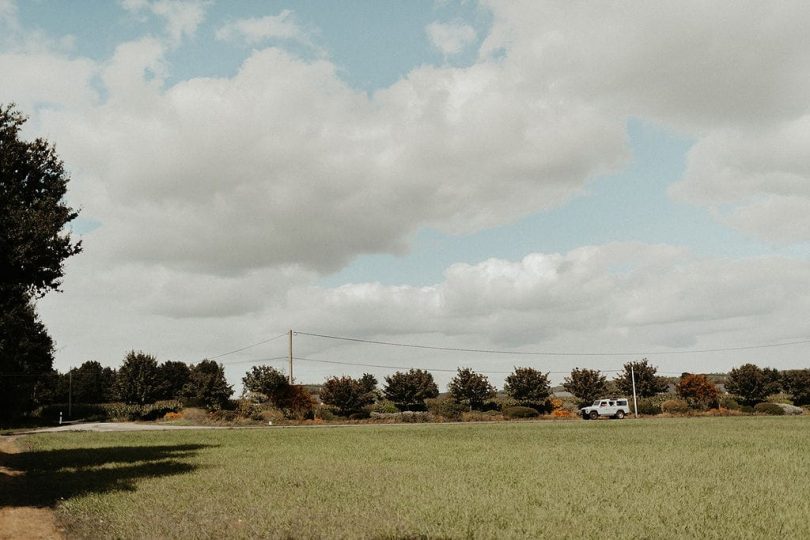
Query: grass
(739, 477)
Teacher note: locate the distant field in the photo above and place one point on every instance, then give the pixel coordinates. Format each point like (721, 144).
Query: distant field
(740, 477)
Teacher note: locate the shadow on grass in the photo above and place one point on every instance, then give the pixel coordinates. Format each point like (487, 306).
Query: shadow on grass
(43, 478)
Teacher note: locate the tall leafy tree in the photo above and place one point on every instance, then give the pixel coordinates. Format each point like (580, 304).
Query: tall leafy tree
(92, 383)
(750, 383)
(647, 382)
(26, 357)
(528, 386)
(586, 385)
(409, 389)
(697, 390)
(33, 241)
(796, 382)
(269, 381)
(172, 379)
(137, 380)
(470, 388)
(348, 395)
(208, 385)
(33, 246)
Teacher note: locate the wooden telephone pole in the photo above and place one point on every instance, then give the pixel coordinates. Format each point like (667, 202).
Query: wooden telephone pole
(291, 357)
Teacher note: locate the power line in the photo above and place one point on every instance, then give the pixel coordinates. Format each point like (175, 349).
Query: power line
(550, 353)
(361, 364)
(255, 360)
(246, 347)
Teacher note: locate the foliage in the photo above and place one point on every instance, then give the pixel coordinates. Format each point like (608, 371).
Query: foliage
(383, 407)
(772, 409)
(648, 383)
(675, 406)
(650, 405)
(796, 382)
(750, 383)
(92, 383)
(137, 378)
(728, 402)
(348, 395)
(409, 389)
(528, 386)
(520, 412)
(208, 386)
(34, 241)
(172, 378)
(269, 381)
(773, 380)
(697, 390)
(26, 355)
(587, 385)
(470, 388)
(445, 407)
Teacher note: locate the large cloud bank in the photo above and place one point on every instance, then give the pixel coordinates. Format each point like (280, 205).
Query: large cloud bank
(223, 199)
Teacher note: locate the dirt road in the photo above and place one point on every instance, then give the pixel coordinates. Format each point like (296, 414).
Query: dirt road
(24, 521)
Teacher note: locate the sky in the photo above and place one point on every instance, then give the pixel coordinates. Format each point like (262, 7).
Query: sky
(563, 184)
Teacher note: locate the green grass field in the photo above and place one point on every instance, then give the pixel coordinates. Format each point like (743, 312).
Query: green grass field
(742, 477)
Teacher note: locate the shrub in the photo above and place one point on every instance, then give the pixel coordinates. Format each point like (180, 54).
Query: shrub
(520, 412)
(650, 405)
(780, 398)
(729, 403)
(173, 416)
(748, 409)
(675, 406)
(772, 409)
(383, 407)
(445, 407)
(159, 409)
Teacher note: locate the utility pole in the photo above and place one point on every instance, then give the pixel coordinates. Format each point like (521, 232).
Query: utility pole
(291, 357)
(633, 376)
(70, 393)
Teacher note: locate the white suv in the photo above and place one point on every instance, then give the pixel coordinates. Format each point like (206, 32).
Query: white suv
(612, 408)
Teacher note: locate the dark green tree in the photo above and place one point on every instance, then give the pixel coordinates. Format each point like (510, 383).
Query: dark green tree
(92, 383)
(33, 246)
(26, 357)
(749, 383)
(528, 386)
(33, 240)
(648, 383)
(208, 385)
(172, 378)
(587, 385)
(773, 380)
(409, 389)
(796, 382)
(470, 388)
(137, 380)
(348, 395)
(269, 381)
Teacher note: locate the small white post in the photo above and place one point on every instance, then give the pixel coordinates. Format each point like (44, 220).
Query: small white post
(60, 418)
(635, 402)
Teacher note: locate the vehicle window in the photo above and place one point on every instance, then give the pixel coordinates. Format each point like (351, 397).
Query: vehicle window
(612, 404)
(622, 402)
(603, 404)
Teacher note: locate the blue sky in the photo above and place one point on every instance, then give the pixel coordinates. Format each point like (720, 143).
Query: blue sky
(506, 175)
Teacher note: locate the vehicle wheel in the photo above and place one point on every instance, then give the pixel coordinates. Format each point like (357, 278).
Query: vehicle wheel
(620, 415)
(593, 415)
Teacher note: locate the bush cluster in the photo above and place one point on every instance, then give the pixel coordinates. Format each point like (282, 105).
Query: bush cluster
(675, 406)
(771, 409)
(520, 412)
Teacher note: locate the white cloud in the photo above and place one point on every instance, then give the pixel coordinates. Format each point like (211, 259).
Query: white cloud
(260, 29)
(608, 298)
(450, 38)
(221, 198)
(182, 17)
